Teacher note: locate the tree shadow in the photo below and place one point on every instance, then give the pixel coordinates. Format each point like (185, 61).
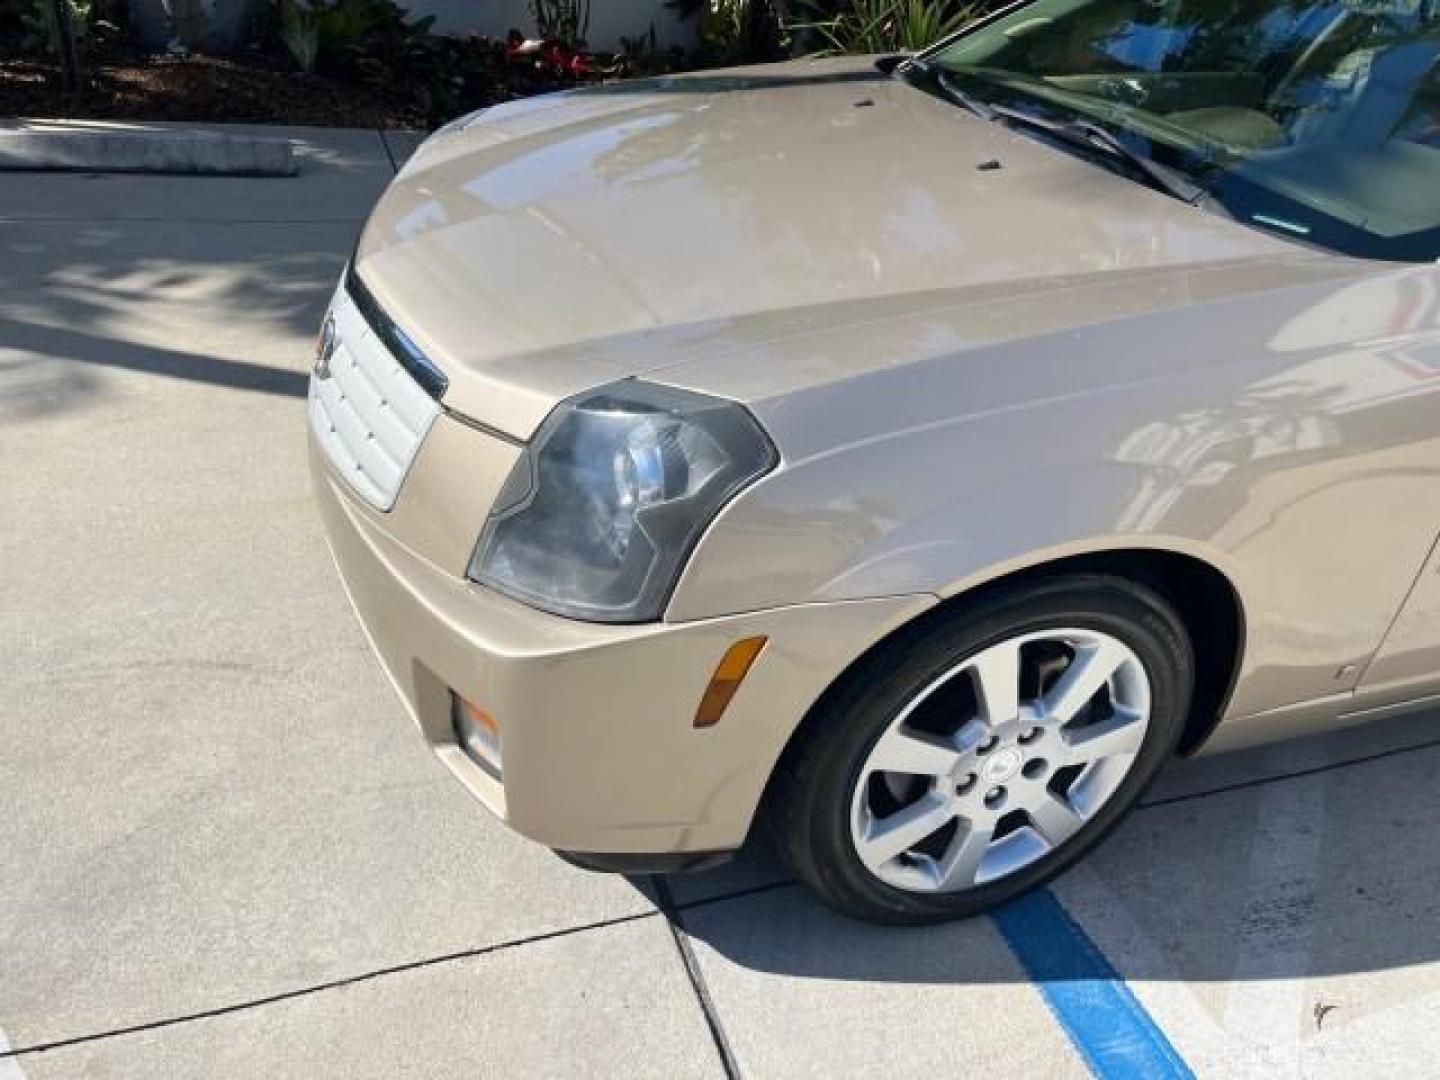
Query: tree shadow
(76, 299)
(48, 381)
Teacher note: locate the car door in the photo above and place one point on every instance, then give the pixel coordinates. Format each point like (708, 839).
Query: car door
(1407, 664)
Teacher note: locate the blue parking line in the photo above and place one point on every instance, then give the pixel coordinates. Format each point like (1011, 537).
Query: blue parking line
(1111, 1030)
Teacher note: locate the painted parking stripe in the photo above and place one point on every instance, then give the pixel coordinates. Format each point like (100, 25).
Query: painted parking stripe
(1161, 988)
(1111, 1030)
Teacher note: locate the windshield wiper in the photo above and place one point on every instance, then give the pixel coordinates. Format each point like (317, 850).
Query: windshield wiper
(982, 109)
(1085, 134)
(1091, 136)
(948, 87)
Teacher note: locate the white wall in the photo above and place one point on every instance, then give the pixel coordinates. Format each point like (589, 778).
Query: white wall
(609, 19)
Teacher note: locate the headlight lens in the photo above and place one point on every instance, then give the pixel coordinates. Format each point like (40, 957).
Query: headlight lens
(601, 509)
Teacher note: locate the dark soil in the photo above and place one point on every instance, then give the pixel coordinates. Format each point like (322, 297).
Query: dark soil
(197, 88)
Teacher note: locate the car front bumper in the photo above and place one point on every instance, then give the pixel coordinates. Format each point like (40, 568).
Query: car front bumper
(600, 751)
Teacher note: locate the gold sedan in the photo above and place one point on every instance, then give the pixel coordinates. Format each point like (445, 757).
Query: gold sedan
(912, 456)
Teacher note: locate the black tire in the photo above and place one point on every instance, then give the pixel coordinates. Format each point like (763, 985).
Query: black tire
(809, 811)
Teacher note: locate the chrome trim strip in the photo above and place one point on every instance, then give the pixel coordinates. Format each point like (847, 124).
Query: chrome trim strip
(409, 355)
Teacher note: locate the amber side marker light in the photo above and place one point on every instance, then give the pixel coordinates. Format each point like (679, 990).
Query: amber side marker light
(729, 674)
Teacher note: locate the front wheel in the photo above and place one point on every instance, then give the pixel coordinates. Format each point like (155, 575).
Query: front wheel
(972, 760)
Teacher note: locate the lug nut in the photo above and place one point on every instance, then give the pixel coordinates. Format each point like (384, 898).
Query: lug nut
(994, 797)
(1031, 734)
(966, 784)
(989, 744)
(1035, 768)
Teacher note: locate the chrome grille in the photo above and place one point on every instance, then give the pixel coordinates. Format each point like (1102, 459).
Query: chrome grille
(369, 414)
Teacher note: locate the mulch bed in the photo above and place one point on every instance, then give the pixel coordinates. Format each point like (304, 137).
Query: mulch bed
(197, 88)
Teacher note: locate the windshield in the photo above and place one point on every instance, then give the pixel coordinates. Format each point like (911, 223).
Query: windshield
(1317, 121)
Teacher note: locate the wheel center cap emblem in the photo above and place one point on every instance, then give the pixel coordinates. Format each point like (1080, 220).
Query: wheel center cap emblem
(1002, 765)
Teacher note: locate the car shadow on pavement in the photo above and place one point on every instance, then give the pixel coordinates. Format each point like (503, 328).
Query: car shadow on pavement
(1309, 859)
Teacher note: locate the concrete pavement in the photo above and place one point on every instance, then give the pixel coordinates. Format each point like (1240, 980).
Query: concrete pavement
(226, 853)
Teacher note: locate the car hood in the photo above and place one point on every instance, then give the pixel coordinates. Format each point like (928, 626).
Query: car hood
(555, 244)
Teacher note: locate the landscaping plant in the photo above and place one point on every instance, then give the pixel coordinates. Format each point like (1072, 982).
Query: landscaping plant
(300, 31)
(565, 21)
(736, 31)
(40, 24)
(347, 37)
(880, 26)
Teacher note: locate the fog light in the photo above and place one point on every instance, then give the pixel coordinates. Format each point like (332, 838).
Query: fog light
(478, 734)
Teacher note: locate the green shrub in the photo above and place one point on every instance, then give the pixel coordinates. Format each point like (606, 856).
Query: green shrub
(735, 31)
(881, 26)
(300, 31)
(39, 32)
(331, 35)
(562, 20)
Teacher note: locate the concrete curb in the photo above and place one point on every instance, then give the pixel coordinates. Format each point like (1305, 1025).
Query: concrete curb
(183, 153)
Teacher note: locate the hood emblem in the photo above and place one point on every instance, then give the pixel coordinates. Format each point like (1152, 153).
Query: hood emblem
(325, 348)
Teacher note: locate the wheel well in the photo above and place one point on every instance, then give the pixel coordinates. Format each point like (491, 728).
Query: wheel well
(1204, 599)
(1202, 596)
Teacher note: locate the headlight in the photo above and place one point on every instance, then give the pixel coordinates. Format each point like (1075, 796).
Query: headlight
(597, 516)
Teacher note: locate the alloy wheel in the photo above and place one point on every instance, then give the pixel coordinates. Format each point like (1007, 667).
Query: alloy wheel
(1000, 760)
